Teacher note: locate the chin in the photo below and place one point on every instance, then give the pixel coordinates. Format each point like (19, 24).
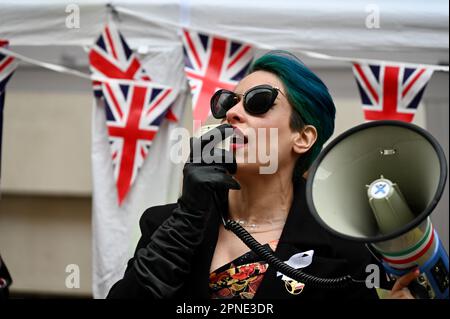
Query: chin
(247, 169)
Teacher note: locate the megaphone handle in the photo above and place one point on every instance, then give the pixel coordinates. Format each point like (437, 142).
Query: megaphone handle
(416, 289)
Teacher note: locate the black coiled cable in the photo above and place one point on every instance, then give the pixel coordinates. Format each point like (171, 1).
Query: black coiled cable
(298, 275)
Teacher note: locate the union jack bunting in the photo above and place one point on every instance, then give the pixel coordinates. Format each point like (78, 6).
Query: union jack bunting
(390, 92)
(111, 57)
(134, 112)
(212, 63)
(7, 66)
(133, 116)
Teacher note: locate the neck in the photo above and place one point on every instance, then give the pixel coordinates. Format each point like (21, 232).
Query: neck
(262, 199)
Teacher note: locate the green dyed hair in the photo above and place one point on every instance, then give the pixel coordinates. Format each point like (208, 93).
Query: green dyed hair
(309, 97)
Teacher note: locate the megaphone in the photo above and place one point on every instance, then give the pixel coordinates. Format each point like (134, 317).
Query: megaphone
(377, 183)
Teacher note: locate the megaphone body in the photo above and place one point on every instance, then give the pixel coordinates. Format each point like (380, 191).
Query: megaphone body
(419, 247)
(377, 183)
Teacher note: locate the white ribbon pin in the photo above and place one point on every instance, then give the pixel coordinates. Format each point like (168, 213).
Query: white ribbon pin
(300, 260)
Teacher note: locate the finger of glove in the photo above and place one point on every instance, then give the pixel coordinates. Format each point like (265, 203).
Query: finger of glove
(201, 150)
(208, 141)
(213, 136)
(228, 182)
(217, 157)
(195, 150)
(223, 158)
(211, 176)
(216, 135)
(201, 175)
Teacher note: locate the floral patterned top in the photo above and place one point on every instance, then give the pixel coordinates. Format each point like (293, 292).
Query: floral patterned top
(240, 278)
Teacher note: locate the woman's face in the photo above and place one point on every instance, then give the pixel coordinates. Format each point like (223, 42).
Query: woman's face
(268, 137)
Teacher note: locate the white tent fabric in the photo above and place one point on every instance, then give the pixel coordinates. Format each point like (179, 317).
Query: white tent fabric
(405, 28)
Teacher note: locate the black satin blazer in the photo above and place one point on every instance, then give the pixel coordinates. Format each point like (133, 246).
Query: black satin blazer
(5, 280)
(333, 257)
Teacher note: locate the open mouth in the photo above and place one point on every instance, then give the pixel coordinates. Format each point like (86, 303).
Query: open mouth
(239, 140)
(238, 137)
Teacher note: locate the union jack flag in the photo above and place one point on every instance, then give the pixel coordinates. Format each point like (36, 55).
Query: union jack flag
(390, 92)
(212, 63)
(134, 112)
(7, 66)
(111, 57)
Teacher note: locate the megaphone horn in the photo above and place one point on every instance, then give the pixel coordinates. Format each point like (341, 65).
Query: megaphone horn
(378, 183)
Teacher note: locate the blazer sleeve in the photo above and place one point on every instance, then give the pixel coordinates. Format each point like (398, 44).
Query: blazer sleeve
(129, 286)
(5, 280)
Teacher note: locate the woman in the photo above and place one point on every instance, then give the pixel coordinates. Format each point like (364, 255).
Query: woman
(185, 251)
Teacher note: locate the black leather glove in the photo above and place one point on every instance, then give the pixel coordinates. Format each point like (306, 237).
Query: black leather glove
(162, 266)
(206, 175)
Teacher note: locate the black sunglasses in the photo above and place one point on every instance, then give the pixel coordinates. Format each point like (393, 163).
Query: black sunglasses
(257, 100)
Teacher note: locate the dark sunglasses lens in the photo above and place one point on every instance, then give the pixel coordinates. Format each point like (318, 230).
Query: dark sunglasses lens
(221, 102)
(259, 101)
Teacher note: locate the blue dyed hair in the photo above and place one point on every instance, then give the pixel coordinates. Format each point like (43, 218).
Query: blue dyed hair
(309, 97)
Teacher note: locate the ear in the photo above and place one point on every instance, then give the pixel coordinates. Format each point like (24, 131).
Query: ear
(304, 139)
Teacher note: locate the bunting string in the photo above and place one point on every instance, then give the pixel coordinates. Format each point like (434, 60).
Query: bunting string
(66, 70)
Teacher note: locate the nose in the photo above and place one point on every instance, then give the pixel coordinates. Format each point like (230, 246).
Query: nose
(236, 114)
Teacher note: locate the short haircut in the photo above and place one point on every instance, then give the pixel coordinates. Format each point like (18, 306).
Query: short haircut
(309, 97)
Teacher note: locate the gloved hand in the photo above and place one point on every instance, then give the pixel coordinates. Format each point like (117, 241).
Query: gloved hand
(162, 266)
(206, 175)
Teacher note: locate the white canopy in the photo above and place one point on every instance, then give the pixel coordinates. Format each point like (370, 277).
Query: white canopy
(410, 31)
